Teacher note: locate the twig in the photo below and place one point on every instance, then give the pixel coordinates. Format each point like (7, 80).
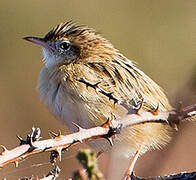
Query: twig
(180, 176)
(33, 144)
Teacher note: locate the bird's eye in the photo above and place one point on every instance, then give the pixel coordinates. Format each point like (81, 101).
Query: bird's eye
(65, 45)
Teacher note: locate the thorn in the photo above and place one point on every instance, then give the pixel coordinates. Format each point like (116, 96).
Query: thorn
(110, 141)
(116, 101)
(31, 142)
(16, 163)
(107, 123)
(76, 125)
(20, 138)
(4, 150)
(139, 107)
(53, 134)
(59, 151)
(96, 84)
(175, 127)
(35, 135)
(156, 111)
(59, 134)
(80, 141)
(22, 141)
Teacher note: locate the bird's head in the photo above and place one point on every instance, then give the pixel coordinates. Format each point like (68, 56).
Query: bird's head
(68, 43)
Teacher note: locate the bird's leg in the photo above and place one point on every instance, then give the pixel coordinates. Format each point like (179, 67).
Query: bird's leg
(129, 170)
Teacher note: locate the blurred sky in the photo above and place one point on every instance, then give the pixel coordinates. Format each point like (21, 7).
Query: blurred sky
(160, 35)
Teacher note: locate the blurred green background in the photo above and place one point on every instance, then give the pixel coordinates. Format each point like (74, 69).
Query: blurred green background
(160, 35)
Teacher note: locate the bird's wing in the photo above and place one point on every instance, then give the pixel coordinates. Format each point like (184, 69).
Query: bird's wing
(122, 81)
(103, 87)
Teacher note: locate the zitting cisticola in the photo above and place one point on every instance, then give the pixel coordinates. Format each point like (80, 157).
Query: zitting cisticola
(85, 80)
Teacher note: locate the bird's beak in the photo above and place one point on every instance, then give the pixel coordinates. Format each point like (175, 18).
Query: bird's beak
(37, 40)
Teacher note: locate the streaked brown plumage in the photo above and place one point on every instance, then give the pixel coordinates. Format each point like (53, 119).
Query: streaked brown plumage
(86, 80)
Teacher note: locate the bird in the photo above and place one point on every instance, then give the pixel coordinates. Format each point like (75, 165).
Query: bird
(86, 80)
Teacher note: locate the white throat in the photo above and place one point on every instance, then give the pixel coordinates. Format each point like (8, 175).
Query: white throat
(48, 59)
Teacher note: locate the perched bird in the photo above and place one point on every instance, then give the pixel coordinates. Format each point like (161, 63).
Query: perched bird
(86, 80)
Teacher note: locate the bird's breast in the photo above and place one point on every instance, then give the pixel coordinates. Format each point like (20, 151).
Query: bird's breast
(66, 101)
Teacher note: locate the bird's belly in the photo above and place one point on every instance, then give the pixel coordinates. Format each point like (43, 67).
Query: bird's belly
(70, 111)
(67, 109)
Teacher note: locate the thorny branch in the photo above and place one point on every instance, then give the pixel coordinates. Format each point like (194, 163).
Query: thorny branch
(91, 171)
(59, 142)
(180, 176)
